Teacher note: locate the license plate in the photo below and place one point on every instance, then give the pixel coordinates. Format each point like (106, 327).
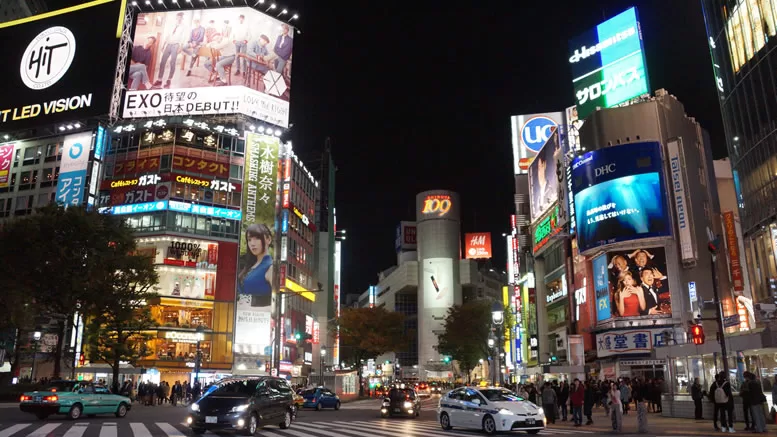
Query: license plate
(211, 419)
(37, 398)
(530, 421)
(396, 410)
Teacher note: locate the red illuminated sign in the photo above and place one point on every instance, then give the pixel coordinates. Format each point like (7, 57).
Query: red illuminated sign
(477, 245)
(438, 204)
(732, 243)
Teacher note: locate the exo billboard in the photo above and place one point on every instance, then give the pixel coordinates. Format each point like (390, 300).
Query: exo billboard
(608, 64)
(529, 133)
(619, 195)
(56, 68)
(210, 61)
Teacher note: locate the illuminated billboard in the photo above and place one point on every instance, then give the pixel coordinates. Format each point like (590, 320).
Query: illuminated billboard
(71, 183)
(406, 237)
(529, 133)
(56, 68)
(750, 25)
(477, 245)
(256, 275)
(543, 180)
(210, 61)
(619, 195)
(638, 285)
(608, 64)
(437, 286)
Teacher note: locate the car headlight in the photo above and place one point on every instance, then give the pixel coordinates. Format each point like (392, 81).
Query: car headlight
(506, 412)
(386, 403)
(195, 407)
(239, 408)
(540, 411)
(408, 405)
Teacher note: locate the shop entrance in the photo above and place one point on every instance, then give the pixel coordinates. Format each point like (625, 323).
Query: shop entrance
(647, 372)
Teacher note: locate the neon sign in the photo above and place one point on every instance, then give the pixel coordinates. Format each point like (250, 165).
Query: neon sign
(438, 204)
(546, 228)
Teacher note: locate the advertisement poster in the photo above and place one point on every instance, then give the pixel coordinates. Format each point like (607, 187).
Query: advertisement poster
(601, 288)
(732, 245)
(186, 283)
(6, 160)
(608, 64)
(255, 270)
(406, 237)
(543, 181)
(56, 68)
(638, 283)
(72, 171)
(438, 283)
(619, 195)
(477, 245)
(187, 62)
(529, 133)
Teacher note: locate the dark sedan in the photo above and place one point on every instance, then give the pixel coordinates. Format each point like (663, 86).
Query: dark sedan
(243, 405)
(401, 402)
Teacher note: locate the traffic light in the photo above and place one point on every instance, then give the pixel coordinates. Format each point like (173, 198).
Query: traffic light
(298, 336)
(697, 334)
(553, 359)
(446, 359)
(81, 360)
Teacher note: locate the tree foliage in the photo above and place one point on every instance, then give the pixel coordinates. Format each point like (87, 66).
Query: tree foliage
(117, 330)
(54, 261)
(465, 335)
(366, 333)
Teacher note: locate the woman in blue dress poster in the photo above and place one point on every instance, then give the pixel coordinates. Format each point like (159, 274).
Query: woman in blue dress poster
(255, 278)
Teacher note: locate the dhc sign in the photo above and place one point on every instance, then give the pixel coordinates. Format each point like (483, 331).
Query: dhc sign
(536, 132)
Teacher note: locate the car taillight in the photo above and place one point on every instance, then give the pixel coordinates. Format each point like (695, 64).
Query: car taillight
(25, 398)
(52, 398)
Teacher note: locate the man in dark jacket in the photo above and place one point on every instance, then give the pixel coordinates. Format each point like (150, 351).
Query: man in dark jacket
(724, 402)
(697, 394)
(757, 399)
(589, 401)
(744, 392)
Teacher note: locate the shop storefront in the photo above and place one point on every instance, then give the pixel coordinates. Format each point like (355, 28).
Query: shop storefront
(628, 353)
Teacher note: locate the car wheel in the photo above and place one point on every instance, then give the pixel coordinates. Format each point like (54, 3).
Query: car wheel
(122, 410)
(75, 412)
(42, 416)
(286, 421)
(337, 405)
(252, 425)
(318, 406)
(198, 431)
(445, 421)
(489, 425)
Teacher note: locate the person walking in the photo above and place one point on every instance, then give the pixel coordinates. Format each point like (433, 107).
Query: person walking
(549, 401)
(625, 389)
(697, 394)
(641, 392)
(720, 394)
(757, 400)
(576, 399)
(563, 397)
(588, 402)
(744, 392)
(617, 408)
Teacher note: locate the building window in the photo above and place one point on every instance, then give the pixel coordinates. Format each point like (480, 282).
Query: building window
(24, 205)
(27, 180)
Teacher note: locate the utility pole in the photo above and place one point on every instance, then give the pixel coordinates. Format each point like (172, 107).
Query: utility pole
(713, 247)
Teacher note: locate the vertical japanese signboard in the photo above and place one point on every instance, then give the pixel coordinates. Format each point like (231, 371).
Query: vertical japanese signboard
(680, 197)
(732, 243)
(72, 173)
(6, 159)
(255, 279)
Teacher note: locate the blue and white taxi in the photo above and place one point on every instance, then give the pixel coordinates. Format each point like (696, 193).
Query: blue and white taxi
(490, 409)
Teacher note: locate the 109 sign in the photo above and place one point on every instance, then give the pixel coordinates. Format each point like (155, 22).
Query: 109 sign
(439, 205)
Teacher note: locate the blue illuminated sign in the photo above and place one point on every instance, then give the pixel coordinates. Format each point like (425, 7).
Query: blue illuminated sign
(602, 288)
(285, 222)
(172, 205)
(210, 211)
(619, 195)
(99, 143)
(608, 64)
(536, 132)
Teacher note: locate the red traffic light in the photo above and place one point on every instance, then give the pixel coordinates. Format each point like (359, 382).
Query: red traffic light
(697, 334)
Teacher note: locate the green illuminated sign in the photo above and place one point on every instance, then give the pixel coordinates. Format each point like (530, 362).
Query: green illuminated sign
(546, 228)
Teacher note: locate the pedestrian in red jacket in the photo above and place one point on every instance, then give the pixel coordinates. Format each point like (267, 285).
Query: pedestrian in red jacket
(576, 398)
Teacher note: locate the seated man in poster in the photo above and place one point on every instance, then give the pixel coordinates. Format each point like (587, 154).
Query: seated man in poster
(226, 57)
(651, 291)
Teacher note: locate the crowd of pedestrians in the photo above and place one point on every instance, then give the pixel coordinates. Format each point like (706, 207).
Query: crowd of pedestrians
(150, 394)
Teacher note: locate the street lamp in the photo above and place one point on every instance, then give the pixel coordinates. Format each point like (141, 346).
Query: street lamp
(198, 357)
(36, 336)
(321, 364)
(497, 319)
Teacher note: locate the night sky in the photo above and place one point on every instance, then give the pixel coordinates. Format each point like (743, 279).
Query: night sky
(418, 95)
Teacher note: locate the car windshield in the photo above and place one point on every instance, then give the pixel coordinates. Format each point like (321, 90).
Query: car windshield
(241, 387)
(397, 394)
(309, 392)
(500, 395)
(64, 386)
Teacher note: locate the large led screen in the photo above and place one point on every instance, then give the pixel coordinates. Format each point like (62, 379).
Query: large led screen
(56, 67)
(256, 264)
(210, 61)
(543, 180)
(608, 64)
(638, 285)
(619, 195)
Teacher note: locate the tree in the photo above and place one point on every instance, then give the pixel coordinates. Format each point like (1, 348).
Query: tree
(465, 335)
(116, 332)
(366, 333)
(53, 257)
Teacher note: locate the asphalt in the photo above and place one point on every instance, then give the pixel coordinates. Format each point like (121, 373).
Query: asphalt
(354, 419)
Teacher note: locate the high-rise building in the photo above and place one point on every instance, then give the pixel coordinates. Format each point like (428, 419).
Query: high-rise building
(15, 9)
(741, 38)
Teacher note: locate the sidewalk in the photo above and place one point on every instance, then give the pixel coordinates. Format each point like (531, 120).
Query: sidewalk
(657, 425)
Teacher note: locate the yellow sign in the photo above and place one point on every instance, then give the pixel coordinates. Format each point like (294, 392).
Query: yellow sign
(302, 291)
(172, 302)
(124, 183)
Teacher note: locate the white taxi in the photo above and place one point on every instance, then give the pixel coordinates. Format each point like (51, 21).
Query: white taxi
(491, 409)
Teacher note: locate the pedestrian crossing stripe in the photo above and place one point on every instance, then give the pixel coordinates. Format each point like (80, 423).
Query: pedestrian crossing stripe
(359, 428)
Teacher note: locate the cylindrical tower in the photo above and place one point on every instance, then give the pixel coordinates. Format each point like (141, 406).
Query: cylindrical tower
(439, 286)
